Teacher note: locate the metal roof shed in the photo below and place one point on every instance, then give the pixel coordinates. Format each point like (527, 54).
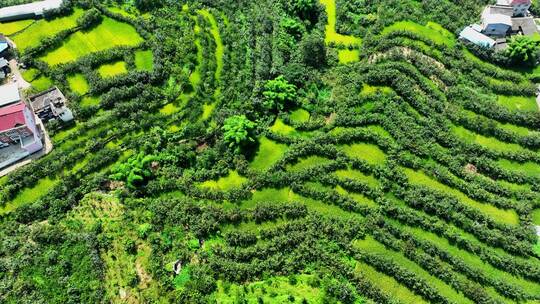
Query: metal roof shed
(30, 10)
(473, 36)
(9, 94)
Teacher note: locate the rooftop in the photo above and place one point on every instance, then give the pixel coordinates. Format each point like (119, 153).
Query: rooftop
(12, 116)
(9, 94)
(472, 34)
(3, 62)
(35, 8)
(525, 24)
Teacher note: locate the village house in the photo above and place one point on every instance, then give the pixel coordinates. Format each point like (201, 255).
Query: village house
(19, 133)
(27, 11)
(506, 18)
(51, 105)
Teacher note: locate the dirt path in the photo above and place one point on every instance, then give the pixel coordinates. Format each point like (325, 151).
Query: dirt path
(17, 76)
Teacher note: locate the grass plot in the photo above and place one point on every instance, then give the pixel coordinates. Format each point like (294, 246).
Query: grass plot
(368, 152)
(11, 28)
(78, 84)
(232, 180)
(431, 31)
(110, 33)
(113, 69)
(268, 154)
(518, 103)
(29, 195)
(144, 61)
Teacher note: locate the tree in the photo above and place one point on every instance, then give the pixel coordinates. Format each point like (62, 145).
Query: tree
(523, 50)
(238, 131)
(278, 92)
(135, 171)
(89, 19)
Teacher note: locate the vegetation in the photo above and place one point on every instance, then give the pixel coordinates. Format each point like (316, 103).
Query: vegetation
(303, 151)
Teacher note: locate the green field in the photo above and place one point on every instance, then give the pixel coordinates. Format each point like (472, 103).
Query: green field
(29, 195)
(518, 103)
(42, 29)
(113, 69)
(11, 28)
(487, 142)
(78, 84)
(144, 61)
(431, 31)
(506, 216)
(331, 35)
(368, 152)
(527, 168)
(110, 33)
(268, 154)
(231, 181)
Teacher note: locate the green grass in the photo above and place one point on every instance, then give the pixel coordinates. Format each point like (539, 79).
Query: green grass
(487, 142)
(110, 33)
(372, 246)
(208, 109)
(505, 216)
(431, 31)
(356, 175)
(348, 56)
(42, 83)
(272, 291)
(518, 103)
(144, 61)
(359, 198)
(90, 101)
(43, 28)
(331, 35)
(528, 168)
(280, 127)
(522, 131)
(536, 217)
(368, 152)
(78, 84)
(113, 69)
(30, 74)
(370, 90)
(231, 181)
(11, 28)
(474, 261)
(308, 162)
(388, 284)
(29, 195)
(286, 195)
(299, 116)
(268, 154)
(169, 109)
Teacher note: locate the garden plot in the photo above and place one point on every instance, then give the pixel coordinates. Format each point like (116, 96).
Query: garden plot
(268, 154)
(113, 69)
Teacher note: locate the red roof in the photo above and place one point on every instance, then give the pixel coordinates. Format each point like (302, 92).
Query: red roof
(12, 116)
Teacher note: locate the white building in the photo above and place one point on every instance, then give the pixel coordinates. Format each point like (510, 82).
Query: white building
(30, 10)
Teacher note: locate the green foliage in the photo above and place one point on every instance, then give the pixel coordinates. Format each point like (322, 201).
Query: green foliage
(135, 171)
(523, 50)
(89, 19)
(279, 93)
(238, 131)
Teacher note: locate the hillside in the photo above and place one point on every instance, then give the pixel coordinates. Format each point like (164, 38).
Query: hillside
(274, 151)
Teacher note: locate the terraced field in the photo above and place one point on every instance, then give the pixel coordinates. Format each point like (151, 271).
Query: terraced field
(407, 171)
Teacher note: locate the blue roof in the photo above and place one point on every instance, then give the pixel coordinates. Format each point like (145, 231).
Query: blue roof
(3, 46)
(470, 34)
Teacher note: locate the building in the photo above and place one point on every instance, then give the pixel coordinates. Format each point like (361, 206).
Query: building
(4, 68)
(4, 45)
(20, 135)
(497, 20)
(50, 105)
(473, 34)
(30, 10)
(520, 7)
(506, 18)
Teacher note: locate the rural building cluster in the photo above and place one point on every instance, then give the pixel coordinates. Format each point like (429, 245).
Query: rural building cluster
(500, 21)
(22, 132)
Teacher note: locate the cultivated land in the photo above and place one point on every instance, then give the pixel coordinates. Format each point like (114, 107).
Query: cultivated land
(403, 169)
